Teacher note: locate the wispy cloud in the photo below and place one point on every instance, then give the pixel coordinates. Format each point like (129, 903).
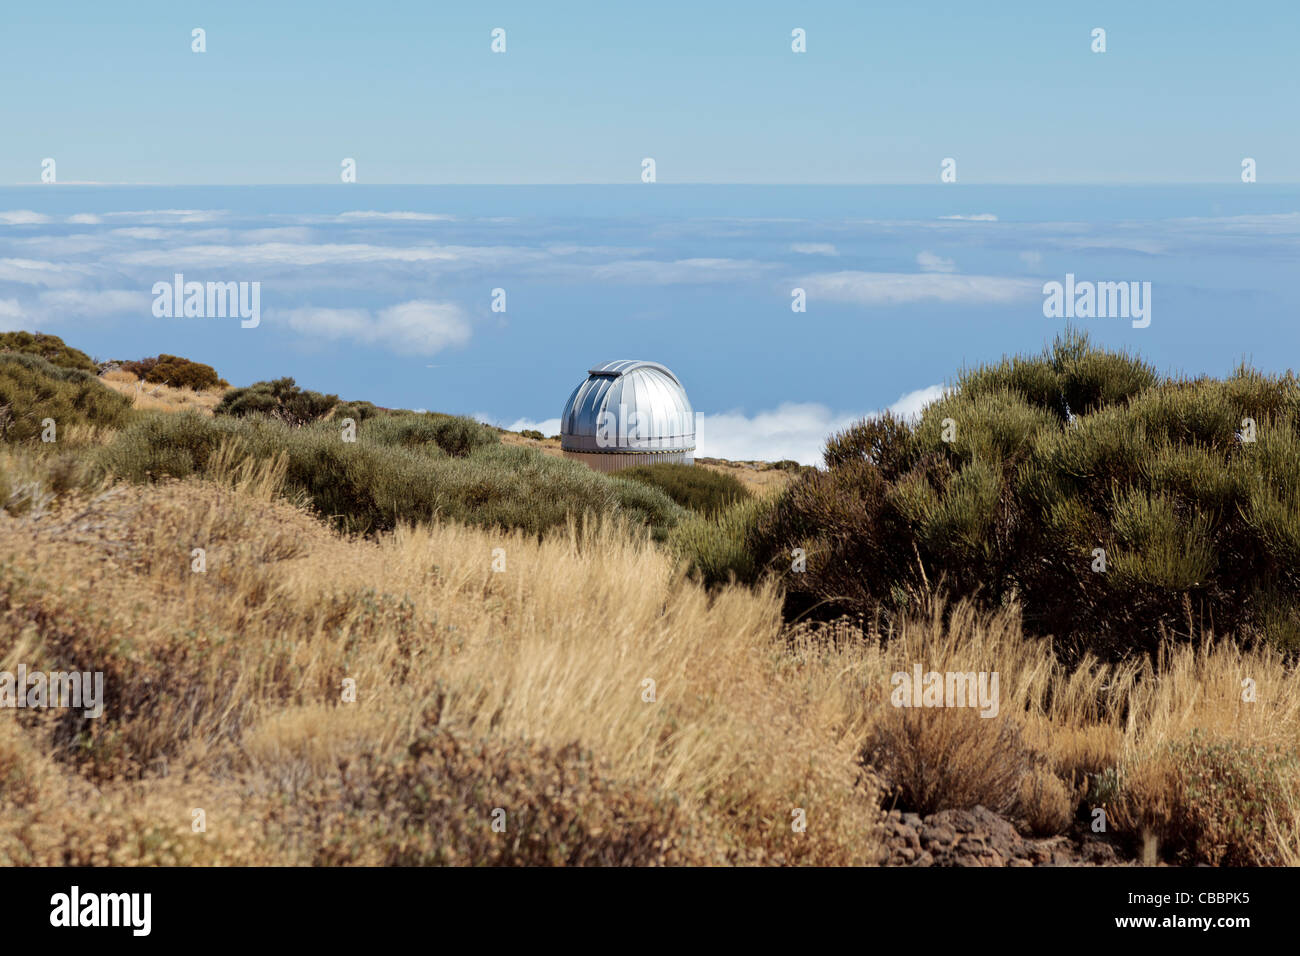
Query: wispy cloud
(92, 303)
(795, 431)
(934, 263)
(168, 215)
(680, 271)
(12, 317)
(397, 216)
(548, 426)
(41, 272)
(22, 217)
(305, 254)
(898, 288)
(53, 308)
(419, 327)
(815, 248)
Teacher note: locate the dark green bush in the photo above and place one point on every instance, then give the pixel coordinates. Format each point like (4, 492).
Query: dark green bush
(691, 486)
(357, 411)
(1111, 504)
(49, 347)
(280, 398)
(885, 442)
(532, 433)
(175, 371)
(32, 390)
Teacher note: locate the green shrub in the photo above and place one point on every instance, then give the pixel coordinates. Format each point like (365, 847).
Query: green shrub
(691, 486)
(49, 347)
(1071, 377)
(1110, 504)
(454, 434)
(357, 411)
(716, 547)
(389, 476)
(884, 442)
(532, 433)
(175, 371)
(280, 398)
(32, 390)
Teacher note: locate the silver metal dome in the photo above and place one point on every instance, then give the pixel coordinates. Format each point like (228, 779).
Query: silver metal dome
(628, 413)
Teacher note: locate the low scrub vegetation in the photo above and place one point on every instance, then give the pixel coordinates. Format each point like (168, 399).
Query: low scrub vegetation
(401, 468)
(32, 391)
(175, 371)
(717, 548)
(280, 398)
(524, 689)
(396, 635)
(697, 488)
(1113, 505)
(49, 347)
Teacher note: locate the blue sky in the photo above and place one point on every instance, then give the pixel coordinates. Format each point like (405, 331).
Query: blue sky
(775, 171)
(712, 91)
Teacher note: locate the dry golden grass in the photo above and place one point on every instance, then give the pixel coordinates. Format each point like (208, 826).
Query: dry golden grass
(760, 477)
(150, 396)
(231, 679)
(1115, 732)
(547, 446)
(525, 689)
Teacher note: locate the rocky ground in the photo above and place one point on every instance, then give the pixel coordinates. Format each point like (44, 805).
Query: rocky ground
(980, 837)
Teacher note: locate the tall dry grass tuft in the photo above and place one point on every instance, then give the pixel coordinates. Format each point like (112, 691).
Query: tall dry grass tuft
(152, 396)
(1144, 741)
(234, 676)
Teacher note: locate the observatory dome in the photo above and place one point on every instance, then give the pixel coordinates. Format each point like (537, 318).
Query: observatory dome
(628, 413)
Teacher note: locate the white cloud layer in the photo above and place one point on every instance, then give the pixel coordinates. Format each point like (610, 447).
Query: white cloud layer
(12, 316)
(40, 272)
(549, 427)
(930, 262)
(679, 272)
(793, 430)
(56, 305)
(419, 327)
(315, 254)
(396, 216)
(92, 303)
(796, 431)
(898, 288)
(21, 217)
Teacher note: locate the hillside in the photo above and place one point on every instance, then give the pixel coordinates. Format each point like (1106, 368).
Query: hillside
(363, 652)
